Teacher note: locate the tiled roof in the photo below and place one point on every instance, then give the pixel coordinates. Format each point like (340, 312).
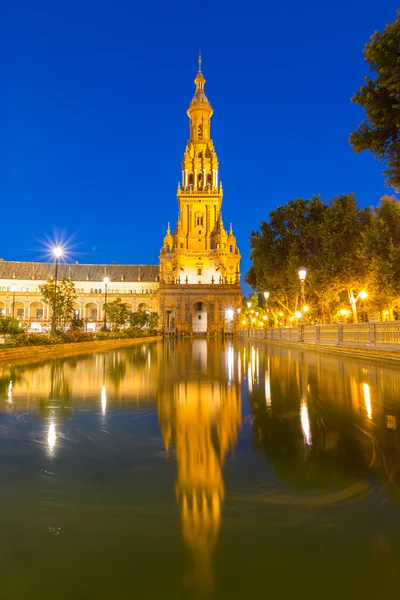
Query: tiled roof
(78, 272)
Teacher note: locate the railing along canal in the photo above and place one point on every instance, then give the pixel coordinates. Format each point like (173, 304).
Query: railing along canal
(384, 335)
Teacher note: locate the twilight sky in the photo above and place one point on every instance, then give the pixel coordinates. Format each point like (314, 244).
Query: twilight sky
(93, 115)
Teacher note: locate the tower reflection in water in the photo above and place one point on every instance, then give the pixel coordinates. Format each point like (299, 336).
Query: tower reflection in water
(199, 413)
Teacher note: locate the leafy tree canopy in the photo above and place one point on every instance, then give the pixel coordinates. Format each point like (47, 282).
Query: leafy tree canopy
(117, 313)
(61, 299)
(380, 99)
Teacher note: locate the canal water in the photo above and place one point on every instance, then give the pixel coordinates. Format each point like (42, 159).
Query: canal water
(204, 470)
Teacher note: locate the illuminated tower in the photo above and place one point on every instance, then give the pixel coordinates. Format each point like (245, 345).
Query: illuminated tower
(200, 252)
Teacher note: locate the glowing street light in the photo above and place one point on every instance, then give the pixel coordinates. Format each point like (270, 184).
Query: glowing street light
(57, 253)
(249, 304)
(302, 276)
(363, 294)
(298, 314)
(106, 281)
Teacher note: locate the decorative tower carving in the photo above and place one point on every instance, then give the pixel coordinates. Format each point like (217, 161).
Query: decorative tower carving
(200, 249)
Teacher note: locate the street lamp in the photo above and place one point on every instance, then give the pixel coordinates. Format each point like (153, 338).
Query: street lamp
(57, 253)
(13, 289)
(302, 276)
(106, 281)
(363, 295)
(266, 296)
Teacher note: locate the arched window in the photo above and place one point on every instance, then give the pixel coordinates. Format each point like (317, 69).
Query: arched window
(181, 244)
(200, 130)
(191, 179)
(230, 248)
(209, 179)
(199, 271)
(168, 248)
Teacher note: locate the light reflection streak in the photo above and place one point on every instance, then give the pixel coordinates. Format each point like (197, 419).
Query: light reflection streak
(253, 360)
(268, 385)
(229, 361)
(305, 422)
(103, 399)
(367, 399)
(51, 437)
(9, 392)
(239, 369)
(249, 378)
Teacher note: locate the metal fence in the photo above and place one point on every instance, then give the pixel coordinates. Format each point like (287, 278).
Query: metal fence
(385, 335)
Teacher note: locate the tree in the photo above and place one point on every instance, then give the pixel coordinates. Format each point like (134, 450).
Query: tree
(143, 320)
(380, 99)
(61, 300)
(8, 325)
(117, 313)
(382, 247)
(328, 239)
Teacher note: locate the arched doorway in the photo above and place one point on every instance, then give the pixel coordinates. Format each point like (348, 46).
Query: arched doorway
(199, 317)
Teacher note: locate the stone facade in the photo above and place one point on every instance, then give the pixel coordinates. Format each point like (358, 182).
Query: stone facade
(199, 261)
(196, 286)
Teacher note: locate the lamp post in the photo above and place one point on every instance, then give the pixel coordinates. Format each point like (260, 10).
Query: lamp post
(106, 281)
(302, 276)
(57, 252)
(363, 295)
(13, 289)
(266, 297)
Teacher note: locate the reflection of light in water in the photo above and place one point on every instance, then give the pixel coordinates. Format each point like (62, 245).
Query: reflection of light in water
(199, 353)
(103, 399)
(239, 368)
(148, 360)
(229, 362)
(9, 392)
(249, 378)
(51, 437)
(258, 365)
(267, 386)
(305, 422)
(367, 399)
(253, 360)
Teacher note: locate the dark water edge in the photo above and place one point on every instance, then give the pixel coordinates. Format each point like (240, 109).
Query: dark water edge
(195, 470)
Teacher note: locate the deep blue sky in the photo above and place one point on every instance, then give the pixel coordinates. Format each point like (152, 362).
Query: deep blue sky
(93, 101)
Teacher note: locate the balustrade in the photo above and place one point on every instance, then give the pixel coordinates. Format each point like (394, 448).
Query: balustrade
(385, 335)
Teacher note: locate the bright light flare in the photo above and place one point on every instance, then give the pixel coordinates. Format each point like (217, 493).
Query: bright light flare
(51, 437)
(305, 422)
(367, 400)
(58, 251)
(229, 313)
(103, 399)
(363, 294)
(298, 314)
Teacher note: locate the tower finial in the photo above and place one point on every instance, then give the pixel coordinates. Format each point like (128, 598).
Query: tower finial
(200, 60)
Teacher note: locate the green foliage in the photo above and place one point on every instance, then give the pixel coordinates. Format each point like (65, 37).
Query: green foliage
(117, 313)
(328, 239)
(72, 337)
(8, 325)
(143, 322)
(62, 300)
(382, 246)
(380, 99)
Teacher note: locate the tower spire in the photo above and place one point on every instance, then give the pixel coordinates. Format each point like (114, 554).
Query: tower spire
(200, 60)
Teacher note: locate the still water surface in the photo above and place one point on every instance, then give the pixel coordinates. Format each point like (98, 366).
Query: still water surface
(200, 470)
